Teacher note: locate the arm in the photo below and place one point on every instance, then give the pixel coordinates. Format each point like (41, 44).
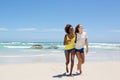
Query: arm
(65, 40)
(86, 42)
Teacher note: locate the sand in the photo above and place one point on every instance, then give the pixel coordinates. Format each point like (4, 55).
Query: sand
(56, 71)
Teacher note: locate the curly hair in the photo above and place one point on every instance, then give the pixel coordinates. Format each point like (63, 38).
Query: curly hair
(67, 27)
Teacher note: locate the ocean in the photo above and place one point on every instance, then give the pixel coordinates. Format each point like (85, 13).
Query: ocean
(21, 52)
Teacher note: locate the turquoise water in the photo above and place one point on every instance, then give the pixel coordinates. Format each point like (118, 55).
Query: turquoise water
(20, 52)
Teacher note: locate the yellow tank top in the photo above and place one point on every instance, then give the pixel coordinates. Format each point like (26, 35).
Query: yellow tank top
(70, 45)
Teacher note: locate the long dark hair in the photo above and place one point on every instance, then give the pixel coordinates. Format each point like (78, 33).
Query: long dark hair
(76, 29)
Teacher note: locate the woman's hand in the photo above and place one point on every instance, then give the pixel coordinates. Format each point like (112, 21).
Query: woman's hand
(86, 50)
(67, 41)
(86, 41)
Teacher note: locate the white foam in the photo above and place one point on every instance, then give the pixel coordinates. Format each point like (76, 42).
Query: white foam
(17, 46)
(17, 56)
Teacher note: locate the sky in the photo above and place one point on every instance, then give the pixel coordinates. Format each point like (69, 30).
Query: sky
(45, 20)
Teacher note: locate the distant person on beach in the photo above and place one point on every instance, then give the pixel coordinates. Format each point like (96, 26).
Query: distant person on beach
(69, 40)
(81, 40)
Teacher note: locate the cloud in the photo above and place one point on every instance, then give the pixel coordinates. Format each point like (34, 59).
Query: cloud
(117, 30)
(3, 29)
(52, 30)
(26, 29)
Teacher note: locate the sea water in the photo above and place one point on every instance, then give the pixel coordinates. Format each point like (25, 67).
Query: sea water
(21, 52)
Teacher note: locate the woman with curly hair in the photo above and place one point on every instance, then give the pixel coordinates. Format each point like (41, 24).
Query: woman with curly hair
(69, 41)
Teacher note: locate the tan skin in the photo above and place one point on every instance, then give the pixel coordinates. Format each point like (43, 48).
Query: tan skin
(81, 56)
(67, 55)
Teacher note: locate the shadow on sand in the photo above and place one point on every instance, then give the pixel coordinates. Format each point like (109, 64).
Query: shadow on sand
(64, 75)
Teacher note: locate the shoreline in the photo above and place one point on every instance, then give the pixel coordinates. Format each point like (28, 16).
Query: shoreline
(55, 58)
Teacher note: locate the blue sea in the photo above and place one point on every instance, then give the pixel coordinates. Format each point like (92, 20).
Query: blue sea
(21, 52)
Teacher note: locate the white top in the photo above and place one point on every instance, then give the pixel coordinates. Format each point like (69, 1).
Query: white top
(80, 40)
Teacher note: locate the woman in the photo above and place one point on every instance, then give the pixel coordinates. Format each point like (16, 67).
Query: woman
(81, 40)
(69, 40)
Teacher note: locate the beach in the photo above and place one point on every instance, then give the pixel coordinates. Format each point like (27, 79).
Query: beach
(37, 38)
(18, 61)
(56, 71)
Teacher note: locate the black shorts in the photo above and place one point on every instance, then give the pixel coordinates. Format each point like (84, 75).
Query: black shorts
(70, 50)
(80, 50)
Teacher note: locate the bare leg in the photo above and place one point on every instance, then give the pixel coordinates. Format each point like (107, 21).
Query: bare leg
(82, 61)
(72, 62)
(67, 61)
(79, 62)
(83, 58)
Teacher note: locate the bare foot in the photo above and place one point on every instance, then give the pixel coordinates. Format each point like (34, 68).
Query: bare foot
(67, 69)
(80, 72)
(67, 73)
(71, 75)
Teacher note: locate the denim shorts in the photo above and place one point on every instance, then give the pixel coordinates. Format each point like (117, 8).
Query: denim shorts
(70, 50)
(80, 50)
